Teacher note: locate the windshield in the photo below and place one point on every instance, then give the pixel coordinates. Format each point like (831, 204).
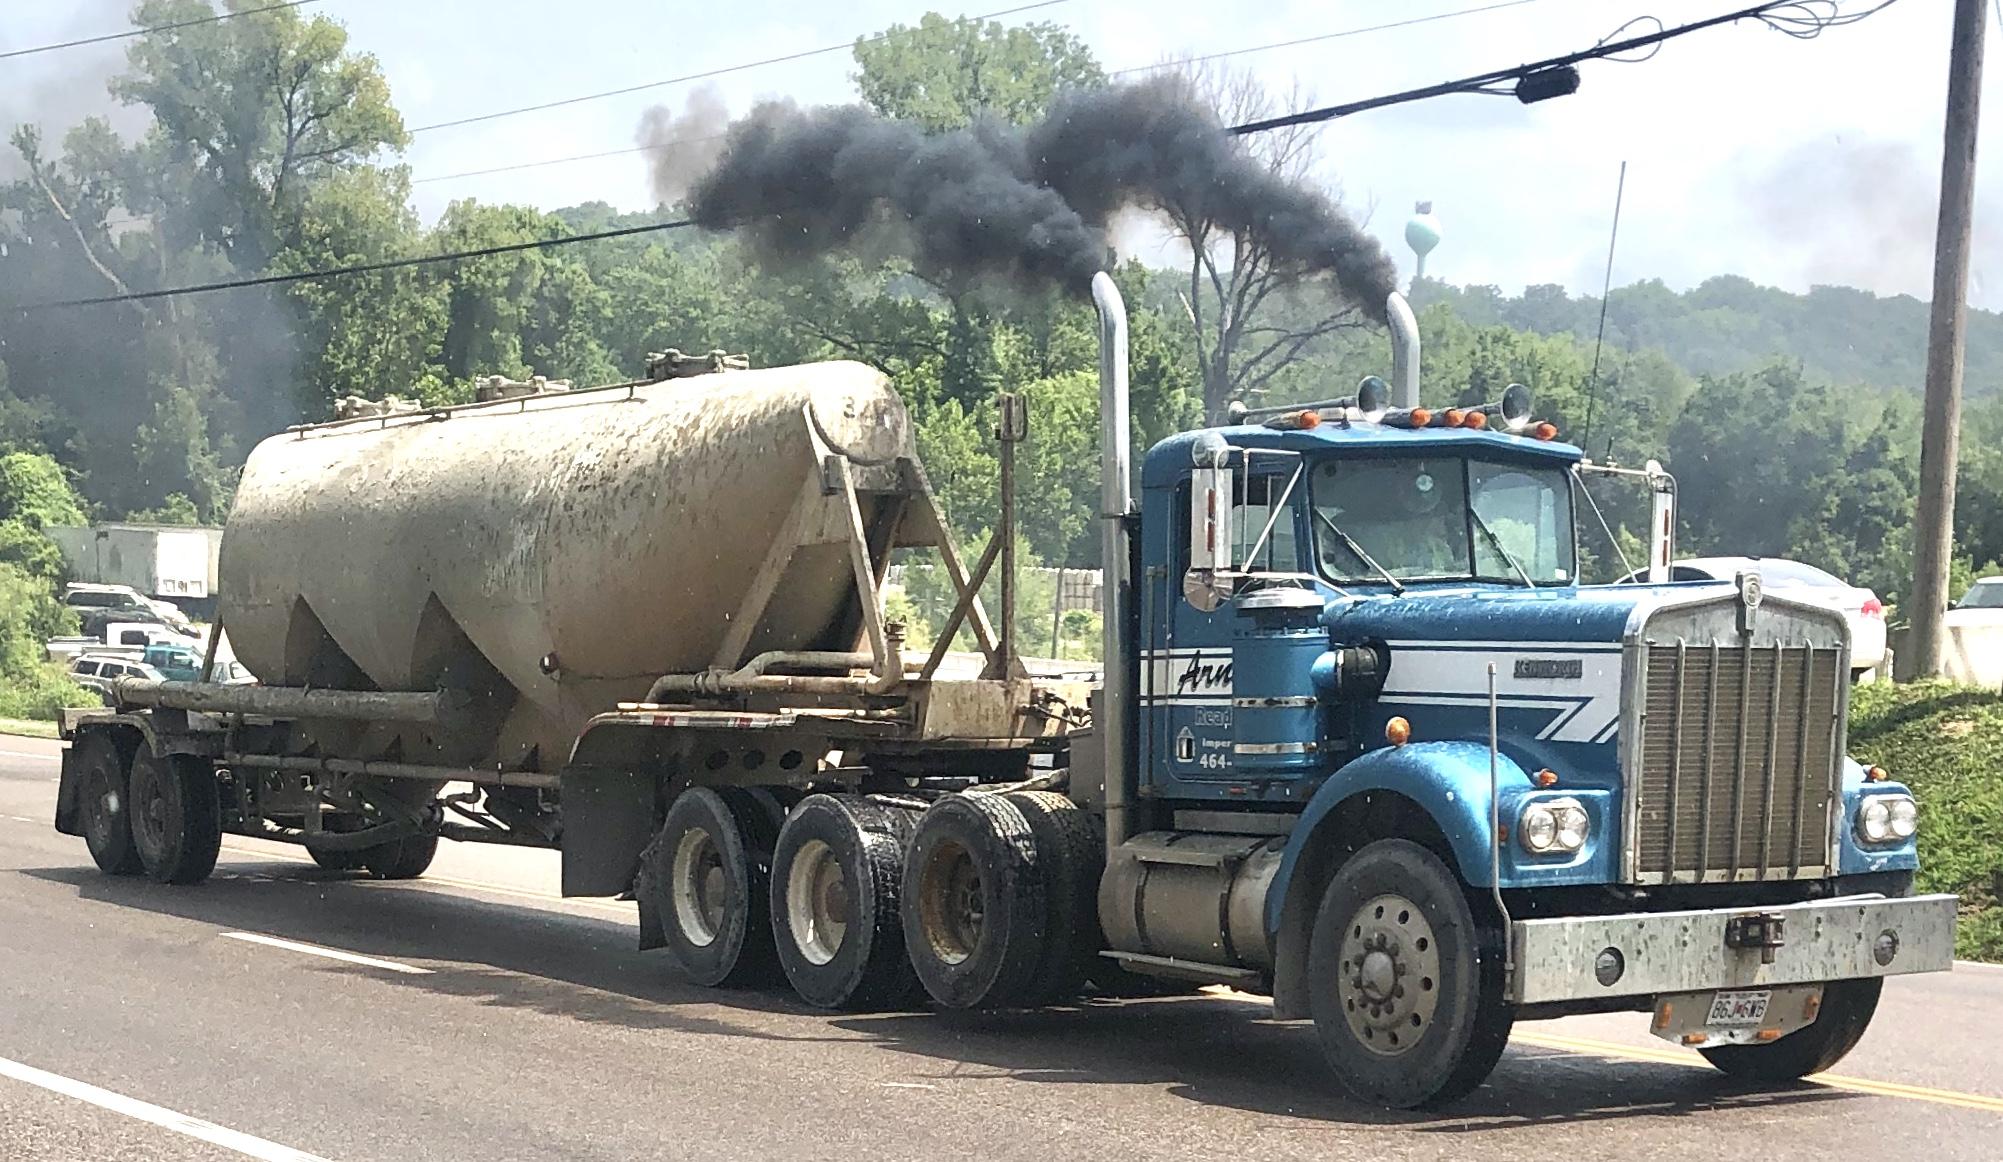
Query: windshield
(1411, 517)
(1982, 596)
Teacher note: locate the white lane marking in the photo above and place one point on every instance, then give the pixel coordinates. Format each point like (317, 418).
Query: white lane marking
(167, 1119)
(23, 819)
(329, 953)
(1981, 966)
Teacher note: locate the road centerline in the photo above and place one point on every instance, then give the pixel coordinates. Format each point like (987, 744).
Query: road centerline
(180, 1123)
(329, 953)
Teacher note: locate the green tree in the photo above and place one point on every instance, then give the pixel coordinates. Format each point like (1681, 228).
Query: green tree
(944, 73)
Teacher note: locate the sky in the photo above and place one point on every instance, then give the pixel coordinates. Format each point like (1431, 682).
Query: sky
(1790, 162)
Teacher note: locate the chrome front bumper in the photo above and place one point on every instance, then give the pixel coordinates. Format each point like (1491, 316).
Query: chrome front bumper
(1570, 958)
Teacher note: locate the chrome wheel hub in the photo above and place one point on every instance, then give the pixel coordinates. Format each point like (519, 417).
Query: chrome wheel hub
(1389, 977)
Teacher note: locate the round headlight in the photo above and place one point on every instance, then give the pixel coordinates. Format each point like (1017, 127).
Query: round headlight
(1905, 817)
(1572, 826)
(1539, 828)
(1874, 820)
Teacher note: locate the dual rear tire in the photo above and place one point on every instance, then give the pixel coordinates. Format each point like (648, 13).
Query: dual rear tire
(159, 814)
(983, 901)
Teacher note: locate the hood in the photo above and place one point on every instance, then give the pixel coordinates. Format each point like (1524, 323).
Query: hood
(1474, 616)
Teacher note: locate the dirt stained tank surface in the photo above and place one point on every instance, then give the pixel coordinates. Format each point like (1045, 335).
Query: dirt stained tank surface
(612, 533)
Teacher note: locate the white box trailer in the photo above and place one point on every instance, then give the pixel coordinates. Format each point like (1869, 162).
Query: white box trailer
(175, 562)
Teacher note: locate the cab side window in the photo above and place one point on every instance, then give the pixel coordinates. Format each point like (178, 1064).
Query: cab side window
(1257, 496)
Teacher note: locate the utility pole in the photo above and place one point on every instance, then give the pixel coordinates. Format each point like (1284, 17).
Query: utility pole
(1940, 434)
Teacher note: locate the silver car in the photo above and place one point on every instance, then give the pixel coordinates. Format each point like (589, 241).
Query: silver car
(98, 672)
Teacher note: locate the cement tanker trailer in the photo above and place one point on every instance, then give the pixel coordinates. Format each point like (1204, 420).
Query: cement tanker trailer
(1362, 739)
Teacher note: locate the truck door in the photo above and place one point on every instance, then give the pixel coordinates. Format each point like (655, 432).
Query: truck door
(1195, 652)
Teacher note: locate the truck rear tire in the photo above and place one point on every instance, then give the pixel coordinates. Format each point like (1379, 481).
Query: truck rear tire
(104, 805)
(176, 816)
(1073, 854)
(707, 876)
(1847, 1008)
(836, 875)
(1406, 982)
(974, 902)
(402, 859)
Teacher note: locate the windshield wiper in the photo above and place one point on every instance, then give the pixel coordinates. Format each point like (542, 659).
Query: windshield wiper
(1349, 542)
(1488, 532)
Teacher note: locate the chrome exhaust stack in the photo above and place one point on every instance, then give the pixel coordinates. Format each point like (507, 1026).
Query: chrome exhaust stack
(1404, 351)
(1114, 722)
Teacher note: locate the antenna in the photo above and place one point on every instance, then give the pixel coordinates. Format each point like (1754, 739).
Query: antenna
(1606, 291)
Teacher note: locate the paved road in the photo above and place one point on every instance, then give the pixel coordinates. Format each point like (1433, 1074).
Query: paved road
(500, 1022)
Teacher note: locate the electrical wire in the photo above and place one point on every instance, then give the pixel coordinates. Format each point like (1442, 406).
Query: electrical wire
(1347, 32)
(705, 74)
(360, 268)
(682, 141)
(1801, 19)
(215, 18)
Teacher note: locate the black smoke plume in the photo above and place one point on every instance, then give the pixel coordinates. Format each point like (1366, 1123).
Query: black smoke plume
(1029, 205)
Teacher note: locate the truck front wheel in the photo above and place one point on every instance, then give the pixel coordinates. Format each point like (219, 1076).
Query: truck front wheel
(176, 817)
(1406, 982)
(1846, 1011)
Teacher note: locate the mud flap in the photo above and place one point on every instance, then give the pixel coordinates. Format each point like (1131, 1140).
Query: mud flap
(648, 884)
(66, 795)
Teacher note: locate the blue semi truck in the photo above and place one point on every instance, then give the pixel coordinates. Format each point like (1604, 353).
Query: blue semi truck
(1362, 742)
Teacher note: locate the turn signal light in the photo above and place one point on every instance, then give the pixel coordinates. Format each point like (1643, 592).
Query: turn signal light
(1546, 778)
(1397, 731)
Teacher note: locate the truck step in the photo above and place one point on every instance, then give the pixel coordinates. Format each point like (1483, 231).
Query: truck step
(1186, 969)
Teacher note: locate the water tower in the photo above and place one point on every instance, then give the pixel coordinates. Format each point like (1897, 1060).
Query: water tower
(1422, 233)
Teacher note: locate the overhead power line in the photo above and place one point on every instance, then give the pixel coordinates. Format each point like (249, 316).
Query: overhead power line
(217, 18)
(1558, 75)
(682, 141)
(363, 267)
(1317, 39)
(705, 74)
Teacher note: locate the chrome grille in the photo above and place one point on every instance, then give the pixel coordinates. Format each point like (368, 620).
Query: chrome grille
(1739, 761)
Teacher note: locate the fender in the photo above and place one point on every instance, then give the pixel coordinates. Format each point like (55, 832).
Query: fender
(1448, 780)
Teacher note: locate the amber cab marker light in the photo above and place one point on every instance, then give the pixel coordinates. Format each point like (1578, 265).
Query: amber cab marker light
(1877, 774)
(1453, 417)
(1310, 419)
(1545, 431)
(1421, 417)
(1546, 778)
(1397, 732)
(1476, 420)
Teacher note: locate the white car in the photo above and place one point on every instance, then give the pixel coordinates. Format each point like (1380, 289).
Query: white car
(1981, 605)
(98, 672)
(1810, 585)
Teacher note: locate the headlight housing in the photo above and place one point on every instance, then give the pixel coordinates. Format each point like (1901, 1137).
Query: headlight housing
(1553, 826)
(1887, 819)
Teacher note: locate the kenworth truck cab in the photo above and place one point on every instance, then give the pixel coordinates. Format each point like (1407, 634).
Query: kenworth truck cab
(1362, 741)
(1399, 765)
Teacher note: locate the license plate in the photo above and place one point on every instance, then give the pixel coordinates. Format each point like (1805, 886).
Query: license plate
(1730, 1007)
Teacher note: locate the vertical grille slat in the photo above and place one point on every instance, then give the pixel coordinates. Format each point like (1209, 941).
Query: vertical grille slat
(1738, 761)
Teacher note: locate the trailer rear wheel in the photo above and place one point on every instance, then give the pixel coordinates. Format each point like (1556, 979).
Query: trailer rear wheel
(1846, 1011)
(707, 878)
(1072, 852)
(176, 816)
(836, 875)
(974, 902)
(402, 859)
(105, 805)
(1406, 982)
